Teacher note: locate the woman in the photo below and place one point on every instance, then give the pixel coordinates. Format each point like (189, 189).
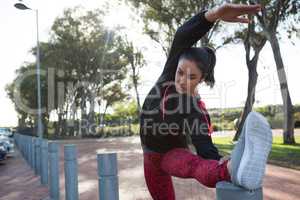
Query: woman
(174, 118)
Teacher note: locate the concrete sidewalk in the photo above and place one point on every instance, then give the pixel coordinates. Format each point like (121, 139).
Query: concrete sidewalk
(18, 181)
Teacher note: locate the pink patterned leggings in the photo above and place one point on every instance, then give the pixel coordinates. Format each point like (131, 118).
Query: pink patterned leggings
(180, 162)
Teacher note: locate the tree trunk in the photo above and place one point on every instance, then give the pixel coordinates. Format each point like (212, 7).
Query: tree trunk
(104, 113)
(83, 122)
(252, 80)
(91, 115)
(71, 121)
(45, 118)
(137, 93)
(64, 127)
(255, 41)
(22, 121)
(59, 124)
(288, 122)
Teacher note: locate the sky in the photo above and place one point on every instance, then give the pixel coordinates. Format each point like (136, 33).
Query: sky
(18, 36)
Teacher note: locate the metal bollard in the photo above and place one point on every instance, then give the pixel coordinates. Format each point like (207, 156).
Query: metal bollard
(15, 139)
(18, 141)
(29, 150)
(21, 145)
(44, 162)
(53, 148)
(24, 147)
(226, 190)
(32, 153)
(108, 176)
(35, 149)
(38, 156)
(71, 172)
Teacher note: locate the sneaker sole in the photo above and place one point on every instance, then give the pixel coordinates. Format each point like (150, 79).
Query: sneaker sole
(258, 143)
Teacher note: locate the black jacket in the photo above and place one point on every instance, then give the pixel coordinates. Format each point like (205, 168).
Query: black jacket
(169, 119)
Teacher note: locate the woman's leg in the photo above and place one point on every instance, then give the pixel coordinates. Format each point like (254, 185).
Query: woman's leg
(182, 163)
(159, 183)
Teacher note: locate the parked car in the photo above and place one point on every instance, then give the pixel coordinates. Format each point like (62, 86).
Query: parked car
(3, 151)
(8, 142)
(6, 132)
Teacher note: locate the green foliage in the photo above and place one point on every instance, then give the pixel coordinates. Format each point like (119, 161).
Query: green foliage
(281, 154)
(269, 111)
(88, 65)
(125, 109)
(23, 93)
(297, 116)
(222, 119)
(163, 17)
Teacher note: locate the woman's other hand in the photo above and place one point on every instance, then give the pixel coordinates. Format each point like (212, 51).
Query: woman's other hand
(223, 159)
(232, 12)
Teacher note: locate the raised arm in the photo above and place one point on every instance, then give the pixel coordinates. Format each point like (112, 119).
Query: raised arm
(196, 27)
(186, 36)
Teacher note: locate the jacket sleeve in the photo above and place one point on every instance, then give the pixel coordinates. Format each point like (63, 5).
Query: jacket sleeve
(206, 149)
(185, 37)
(195, 128)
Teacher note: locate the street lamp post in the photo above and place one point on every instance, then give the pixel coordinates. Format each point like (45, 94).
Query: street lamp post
(22, 6)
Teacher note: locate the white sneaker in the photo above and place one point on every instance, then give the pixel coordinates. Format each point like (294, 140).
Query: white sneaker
(250, 154)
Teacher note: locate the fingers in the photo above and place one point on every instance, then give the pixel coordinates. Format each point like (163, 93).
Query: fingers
(238, 19)
(235, 12)
(247, 8)
(223, 159)
(241, 9)
(248, 12)
(241, 20)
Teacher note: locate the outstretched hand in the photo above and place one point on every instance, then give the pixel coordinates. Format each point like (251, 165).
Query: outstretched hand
(232, 12)
(223, 159)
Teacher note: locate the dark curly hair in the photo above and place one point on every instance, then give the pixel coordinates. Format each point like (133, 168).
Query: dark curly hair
(205, 58)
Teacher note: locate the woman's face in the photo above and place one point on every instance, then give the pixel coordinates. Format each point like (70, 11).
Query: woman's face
(187, 77)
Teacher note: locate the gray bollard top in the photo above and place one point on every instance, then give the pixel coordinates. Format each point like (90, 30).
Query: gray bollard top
(70, 152)
(39, 141)
(44, 144)
(107, 164)
(53, 147)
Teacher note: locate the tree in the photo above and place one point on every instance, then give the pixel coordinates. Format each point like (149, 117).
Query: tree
(23, 93)
(89, 54)
(162, 18)
(274, 12)
(83, 57)
(136, 61)
(125, 108)
(113, 94)
(255, 41)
